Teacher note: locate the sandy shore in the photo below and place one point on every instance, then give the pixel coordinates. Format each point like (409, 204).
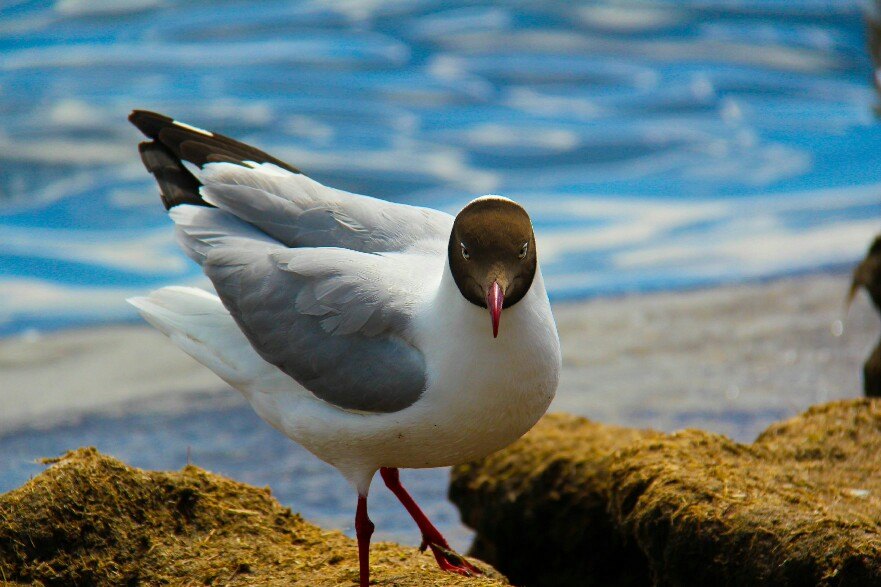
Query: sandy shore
(729, 359)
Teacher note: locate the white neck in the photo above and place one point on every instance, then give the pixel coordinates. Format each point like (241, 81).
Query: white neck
(463, 331)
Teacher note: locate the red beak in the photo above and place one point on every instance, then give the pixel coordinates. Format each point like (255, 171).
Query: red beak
(494, 301)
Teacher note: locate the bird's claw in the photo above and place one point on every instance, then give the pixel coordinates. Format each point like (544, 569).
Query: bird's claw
(449, 560)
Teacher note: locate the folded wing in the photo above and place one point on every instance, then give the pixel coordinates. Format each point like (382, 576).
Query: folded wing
(314, 277)
(335, 320)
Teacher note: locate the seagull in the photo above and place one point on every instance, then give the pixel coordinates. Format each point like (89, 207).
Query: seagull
(367, 331)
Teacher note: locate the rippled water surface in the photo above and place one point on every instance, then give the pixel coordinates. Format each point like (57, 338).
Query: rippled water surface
(656, 144)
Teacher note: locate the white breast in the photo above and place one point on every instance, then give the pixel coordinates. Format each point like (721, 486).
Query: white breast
(486, 392)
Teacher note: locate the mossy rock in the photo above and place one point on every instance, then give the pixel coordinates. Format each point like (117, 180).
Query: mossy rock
(579, 503)
(92, 520)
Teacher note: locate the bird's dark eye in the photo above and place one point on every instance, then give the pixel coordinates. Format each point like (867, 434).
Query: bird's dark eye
(465, 253)
(523, 250)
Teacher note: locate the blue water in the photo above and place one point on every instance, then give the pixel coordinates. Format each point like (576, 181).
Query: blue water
(657, 144)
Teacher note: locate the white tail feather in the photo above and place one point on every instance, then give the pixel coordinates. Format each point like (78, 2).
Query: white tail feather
(198, 324)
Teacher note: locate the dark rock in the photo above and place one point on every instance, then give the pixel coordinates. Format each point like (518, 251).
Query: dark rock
(580, 503)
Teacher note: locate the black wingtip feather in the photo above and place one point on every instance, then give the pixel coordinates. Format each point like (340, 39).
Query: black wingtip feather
(200, 145)
(149, 123)
(176, 184)
(173, 142)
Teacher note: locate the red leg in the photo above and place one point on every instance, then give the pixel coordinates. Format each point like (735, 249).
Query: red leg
(447, 559)
(363, 530)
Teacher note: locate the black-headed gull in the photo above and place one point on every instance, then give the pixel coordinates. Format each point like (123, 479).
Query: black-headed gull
(355, 326)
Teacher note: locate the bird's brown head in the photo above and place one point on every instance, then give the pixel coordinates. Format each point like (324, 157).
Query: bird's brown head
(492, 254)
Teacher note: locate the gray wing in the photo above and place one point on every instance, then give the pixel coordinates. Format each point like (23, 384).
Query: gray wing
(300, 212)
(335, 320)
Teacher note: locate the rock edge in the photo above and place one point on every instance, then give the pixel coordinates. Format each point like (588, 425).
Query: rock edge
(576, 502)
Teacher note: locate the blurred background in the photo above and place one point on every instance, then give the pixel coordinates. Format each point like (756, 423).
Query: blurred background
(660, 146)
